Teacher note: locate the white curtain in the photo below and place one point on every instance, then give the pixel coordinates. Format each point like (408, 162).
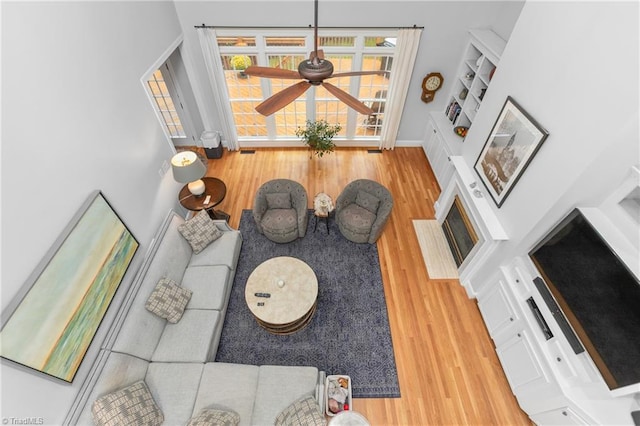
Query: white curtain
(403, 61)
(213, 63)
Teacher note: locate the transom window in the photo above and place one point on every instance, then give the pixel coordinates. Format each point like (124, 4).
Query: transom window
(355, 51)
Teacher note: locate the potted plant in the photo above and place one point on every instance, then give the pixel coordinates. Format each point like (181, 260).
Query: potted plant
(240, 63)
(318, 136)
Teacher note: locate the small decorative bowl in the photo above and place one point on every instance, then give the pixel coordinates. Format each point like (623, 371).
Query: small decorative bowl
(460, 131)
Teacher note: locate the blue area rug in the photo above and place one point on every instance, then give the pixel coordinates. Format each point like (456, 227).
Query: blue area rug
(349, 333)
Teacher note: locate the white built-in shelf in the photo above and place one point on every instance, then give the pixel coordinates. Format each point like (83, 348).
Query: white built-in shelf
(622, 207)
(631, 205)
(617, 220)
(479, 62)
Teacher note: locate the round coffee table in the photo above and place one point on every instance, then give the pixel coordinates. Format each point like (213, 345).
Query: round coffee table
(292, 287)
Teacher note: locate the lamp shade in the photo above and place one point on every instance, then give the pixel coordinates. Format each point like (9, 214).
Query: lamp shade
(187, 167)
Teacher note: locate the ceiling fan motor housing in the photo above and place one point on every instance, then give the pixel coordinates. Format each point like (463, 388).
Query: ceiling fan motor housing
(315, 70)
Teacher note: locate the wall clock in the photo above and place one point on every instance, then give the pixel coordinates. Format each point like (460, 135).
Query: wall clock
(430, 84)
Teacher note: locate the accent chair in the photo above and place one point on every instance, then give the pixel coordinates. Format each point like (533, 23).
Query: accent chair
(362, 210)
(280, 210)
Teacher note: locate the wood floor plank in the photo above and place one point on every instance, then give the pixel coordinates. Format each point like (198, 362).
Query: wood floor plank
(448, 370)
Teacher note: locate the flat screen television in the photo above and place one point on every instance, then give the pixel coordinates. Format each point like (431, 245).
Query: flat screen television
(598, 295)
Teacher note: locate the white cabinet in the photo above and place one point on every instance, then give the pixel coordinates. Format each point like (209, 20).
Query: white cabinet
(553, 385)
(440, 144)
(523, 362)
(438, 154)
(474, 75)
(497, 310)
(520, 362)
(561, 417)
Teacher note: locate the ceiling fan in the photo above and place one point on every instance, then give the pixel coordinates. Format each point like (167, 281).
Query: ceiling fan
(313, 71)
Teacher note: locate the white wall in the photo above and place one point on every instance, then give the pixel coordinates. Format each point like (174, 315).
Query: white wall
(75, 118)
(574, 67)
(444, 36)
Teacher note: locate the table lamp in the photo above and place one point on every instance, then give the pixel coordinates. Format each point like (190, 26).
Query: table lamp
(188, 168)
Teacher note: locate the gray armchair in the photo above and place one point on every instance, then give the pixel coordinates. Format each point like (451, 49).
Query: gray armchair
(362, 209)
(280, 210)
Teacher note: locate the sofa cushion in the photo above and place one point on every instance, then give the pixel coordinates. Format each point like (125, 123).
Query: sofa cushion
(174, 386)
(215, 417)
(189, 340)
(367, 201)
(304, 411)
(357, 219)
(278, 200)
(168, 300)
(132, 405)
(223, 251)
(141, 330)
(171, 256)
(279, 386)
(200, 231)
(229, 385)
(210, 286)
(119, 370)
(280, 221)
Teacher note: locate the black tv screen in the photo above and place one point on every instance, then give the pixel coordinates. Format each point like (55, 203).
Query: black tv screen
(598, 295)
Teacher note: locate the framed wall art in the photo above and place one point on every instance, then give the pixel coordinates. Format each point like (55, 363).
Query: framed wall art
(54, 319)
(514, 140)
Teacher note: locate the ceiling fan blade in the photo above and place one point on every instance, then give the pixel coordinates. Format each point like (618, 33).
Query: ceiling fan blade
(353, 73)
(282, 98)
(272, 72)
(347, 99)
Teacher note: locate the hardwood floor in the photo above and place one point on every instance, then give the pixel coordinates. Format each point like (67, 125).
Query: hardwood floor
(448, 370)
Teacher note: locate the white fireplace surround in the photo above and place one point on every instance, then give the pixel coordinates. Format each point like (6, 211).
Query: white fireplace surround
(489, 230)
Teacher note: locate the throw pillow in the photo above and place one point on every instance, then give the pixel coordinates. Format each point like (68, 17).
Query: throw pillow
(133, 405)
(200, 231)
(278, 200)
(168, 300)
(304, 411)
(367, 201)
(214, 416)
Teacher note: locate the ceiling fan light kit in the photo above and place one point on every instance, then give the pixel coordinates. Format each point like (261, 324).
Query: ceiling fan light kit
(314, 71)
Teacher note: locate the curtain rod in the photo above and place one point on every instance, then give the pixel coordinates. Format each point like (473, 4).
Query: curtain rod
(304, 28)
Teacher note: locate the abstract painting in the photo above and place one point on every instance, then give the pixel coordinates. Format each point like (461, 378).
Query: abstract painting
(68, 295)
(512, 143)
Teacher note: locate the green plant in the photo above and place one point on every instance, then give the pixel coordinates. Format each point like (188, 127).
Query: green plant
(240, 62)
(318, 136)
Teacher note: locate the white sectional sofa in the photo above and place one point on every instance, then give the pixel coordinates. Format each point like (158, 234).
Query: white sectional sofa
(176, 361)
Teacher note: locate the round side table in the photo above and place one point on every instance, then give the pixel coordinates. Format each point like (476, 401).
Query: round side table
(215, 189)
(322, 209)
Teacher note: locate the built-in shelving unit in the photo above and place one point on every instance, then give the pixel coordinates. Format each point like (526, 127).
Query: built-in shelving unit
(473, 77)
(478, 64)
